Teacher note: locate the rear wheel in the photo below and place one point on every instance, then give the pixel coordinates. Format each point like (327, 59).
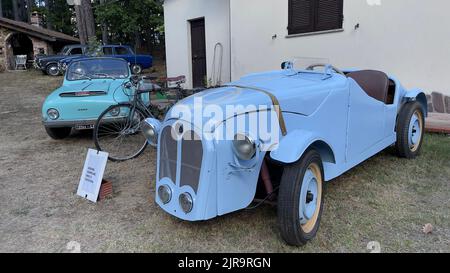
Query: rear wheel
(300, 200)
(410, 130)
(118, 132)
(58, 133)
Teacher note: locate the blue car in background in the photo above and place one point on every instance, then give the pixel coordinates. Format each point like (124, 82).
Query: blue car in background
(138, 62)
(90, 86)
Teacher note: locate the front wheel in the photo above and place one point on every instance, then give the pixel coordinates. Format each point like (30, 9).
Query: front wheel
(53, 70)
(300, 200)
(410, 130)
(118, 132)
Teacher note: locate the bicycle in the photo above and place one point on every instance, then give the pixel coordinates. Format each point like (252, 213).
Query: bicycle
(118, 129)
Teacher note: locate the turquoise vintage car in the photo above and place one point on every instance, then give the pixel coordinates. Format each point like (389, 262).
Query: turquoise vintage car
(90, 86)
(324, 121)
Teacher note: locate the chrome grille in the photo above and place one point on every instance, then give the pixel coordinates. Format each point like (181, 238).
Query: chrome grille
(191, 158)
(168, 155)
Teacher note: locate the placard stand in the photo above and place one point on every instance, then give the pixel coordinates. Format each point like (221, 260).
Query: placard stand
(106, 190)
(92, 176)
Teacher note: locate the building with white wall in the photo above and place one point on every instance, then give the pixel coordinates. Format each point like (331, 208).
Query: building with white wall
(407, 38)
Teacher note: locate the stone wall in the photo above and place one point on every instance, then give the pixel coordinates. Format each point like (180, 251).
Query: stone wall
(3, 50)
(39, 47)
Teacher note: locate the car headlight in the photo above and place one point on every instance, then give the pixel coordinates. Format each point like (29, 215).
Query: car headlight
(165, 194)
(53, 114)
(186, 202)
(115, 112)
(150, 128)
(244, 146)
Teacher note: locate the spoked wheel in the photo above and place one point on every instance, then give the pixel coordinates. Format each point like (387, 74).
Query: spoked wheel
(300, 201)
(118, 132)
(410, 130)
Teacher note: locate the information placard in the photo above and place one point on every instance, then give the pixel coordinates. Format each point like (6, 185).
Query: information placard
(92, 176)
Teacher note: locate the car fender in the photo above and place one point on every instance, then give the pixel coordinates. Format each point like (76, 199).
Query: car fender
(294, 145)
(49, 63)
(417, 95)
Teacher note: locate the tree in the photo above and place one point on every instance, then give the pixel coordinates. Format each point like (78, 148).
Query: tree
(30, 6)
(137, 22)
(88, 17)
(80, 25)
(60, 16)
(48, 8)
(134, 22)
(105, 34)
(15, 7)
(85, 21)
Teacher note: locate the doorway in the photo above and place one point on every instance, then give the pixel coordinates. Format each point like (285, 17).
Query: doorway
(18, 44)
(198, 47)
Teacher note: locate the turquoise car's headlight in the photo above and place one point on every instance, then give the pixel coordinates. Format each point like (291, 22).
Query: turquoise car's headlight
(244, 146)
(115, 112)
(150, 128)
(53, 114)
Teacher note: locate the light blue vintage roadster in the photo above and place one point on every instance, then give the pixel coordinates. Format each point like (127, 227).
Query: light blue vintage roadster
(327, 122)
(90, 86)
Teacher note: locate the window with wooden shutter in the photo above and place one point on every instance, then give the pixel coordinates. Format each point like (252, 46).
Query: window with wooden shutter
(315, 15)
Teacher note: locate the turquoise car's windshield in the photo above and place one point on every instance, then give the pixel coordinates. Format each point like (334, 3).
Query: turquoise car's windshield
(98, 69)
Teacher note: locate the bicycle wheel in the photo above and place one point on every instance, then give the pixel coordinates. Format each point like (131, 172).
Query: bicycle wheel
(118, 132)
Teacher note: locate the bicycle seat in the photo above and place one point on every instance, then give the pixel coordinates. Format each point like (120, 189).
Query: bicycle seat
(146, 87)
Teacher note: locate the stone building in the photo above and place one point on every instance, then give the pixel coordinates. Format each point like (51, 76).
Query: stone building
(20, 38)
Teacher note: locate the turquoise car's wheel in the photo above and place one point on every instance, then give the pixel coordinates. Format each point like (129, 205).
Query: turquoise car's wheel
(410, 130)
(58, 133)
(300, 201)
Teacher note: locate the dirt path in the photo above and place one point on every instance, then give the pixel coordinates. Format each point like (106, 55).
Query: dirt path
(386, 199)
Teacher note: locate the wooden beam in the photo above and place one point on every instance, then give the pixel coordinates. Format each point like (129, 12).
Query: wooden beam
(31, 33)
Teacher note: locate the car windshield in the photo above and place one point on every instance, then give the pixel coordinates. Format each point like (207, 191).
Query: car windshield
(64, 50)
(98, 69)
(302, 64)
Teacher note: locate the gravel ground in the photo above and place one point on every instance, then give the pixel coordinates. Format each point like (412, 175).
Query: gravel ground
(386, 199)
